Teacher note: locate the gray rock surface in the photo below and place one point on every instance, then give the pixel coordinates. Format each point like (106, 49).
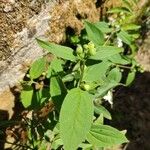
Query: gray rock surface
(23, 21)
(24, 48)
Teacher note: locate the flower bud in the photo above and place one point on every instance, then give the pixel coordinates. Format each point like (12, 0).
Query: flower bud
(92, 52)
(85, 87)
(91, 45)
(79, 49)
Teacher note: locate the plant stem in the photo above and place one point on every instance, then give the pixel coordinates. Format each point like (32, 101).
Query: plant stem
(121, 66)
(82, 66)
(109, 38)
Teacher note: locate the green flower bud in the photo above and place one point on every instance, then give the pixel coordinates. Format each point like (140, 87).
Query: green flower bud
(92, 51)
(85, 87)
(85, 46)
(74, 39)
(91, 45)
(79, 49)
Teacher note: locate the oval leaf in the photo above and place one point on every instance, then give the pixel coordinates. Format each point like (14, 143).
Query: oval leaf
(115, 75)
(104, 52)
(96, 72)
(37, 68)
(55, 87)
(94, 33)
(102, 110)
(104, 136)
(130, 78)
(26, 96)
(118, 59)
(125, 37)
(75, 118)
(103, 26)
(102, 90)
(58, 50)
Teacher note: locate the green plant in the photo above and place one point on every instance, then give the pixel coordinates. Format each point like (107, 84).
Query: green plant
(69, 89)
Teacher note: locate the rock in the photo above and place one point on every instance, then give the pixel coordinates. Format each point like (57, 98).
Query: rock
(23, 21)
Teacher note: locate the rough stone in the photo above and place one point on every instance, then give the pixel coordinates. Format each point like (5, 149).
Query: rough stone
(23, 21)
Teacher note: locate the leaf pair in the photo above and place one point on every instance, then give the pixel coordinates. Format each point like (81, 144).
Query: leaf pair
(76, 123)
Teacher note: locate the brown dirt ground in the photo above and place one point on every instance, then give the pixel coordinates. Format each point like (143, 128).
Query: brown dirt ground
(131, 111)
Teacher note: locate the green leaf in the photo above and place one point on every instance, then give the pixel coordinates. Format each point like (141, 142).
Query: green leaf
(26, 96)
(102, 90)
(125, 37)
(104, 52)
(56, 65)
(119, 10)
(58, 50)
(130, 26)
(130, 78)
(102, 110)
(68, 77)
(128, 4)
(56, 144)
(42, 95)
(75, 118)
(49, 71)
(37, 68)
(55, 87)
(115, 75)
(85, 146)
(94, 33)
(105, 136)
(96, 72)
(118, 59)
(103, 26)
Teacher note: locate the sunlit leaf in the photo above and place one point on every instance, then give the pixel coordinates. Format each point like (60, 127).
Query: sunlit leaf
(105, 136)
(94, 33)
(103, 26)
(119, 10)
(119, 59)
(130, 78)
(55, 86)
(26, 96)
(125, 37)
(131, 27)
(102, 90)
(102, 110)
(104, 52)
(75, 118)
(96, 72)
(58, 50)
(115, 75)
(37, 68)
